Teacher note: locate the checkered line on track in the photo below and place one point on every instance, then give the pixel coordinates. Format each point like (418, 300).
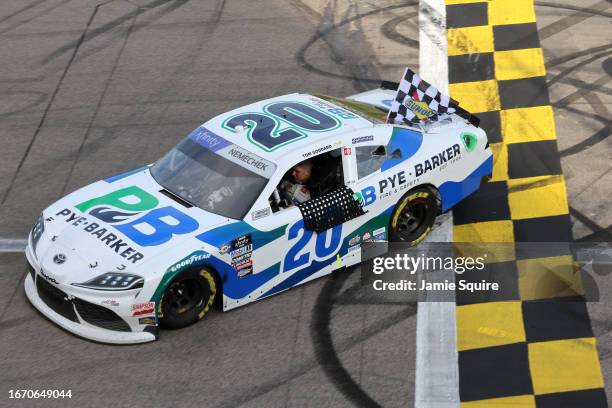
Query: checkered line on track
(517, 347)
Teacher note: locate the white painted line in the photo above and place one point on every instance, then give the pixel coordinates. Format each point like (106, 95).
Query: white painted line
(437, 370)
(12, 245)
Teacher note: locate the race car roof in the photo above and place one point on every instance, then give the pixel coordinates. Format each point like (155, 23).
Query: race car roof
(274, 127)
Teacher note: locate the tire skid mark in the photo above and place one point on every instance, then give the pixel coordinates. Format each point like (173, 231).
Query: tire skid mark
(42, 13)
(589, 223)
(389, 30)
(589, 142)
(106, 27)
(573, 68)
(21, 10)
(98, 105)
(605, 234)
(77, 46)
(578, 17)
(297, 370)
(583, 87)
(597, 137)
(181, 69)
(325, 351)
(577, 54)
(176, 4)
(321, 33)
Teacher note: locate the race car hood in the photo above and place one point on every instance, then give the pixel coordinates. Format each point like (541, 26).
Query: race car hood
(117, 225)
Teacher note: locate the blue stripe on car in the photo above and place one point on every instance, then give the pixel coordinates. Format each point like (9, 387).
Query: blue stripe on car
(454, 191)
(407, 141)
(120, 176)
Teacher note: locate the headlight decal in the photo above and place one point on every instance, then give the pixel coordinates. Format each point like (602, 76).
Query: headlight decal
(113, 281)
(37, 232)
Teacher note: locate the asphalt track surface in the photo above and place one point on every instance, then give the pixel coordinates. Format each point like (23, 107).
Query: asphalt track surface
(93, 88)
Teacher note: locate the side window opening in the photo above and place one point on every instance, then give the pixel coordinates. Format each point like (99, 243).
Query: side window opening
(309, 179)
(371, 158)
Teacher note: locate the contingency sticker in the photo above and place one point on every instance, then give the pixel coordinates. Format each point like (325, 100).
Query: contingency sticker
(241, 252)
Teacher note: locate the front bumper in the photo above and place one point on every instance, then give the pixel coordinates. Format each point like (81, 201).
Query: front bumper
(79, 327)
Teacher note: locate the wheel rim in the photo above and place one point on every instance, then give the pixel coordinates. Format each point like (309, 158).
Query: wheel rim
(411, 220)
(185, 295)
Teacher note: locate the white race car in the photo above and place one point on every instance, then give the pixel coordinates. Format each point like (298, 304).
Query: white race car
(253, 202)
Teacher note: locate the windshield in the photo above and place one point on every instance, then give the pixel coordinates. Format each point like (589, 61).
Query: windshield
(219, 181)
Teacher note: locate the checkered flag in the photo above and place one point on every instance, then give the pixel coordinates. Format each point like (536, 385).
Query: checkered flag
(416, 100)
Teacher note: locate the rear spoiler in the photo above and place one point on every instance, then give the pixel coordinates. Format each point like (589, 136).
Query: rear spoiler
(389, 85)
(459, 111)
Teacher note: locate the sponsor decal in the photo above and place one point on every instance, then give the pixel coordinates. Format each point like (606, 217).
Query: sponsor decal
(224, 249)
(208, 139)
(37, 232)
(47, 277)
(108, 238)
(368, 194)
(470, 141)
(258, 214)
(347, 151)
(362, 139)
(354, 248)
(146, 320)
(190, 260)
(421, 109)
(438, 161)
(395, 183)
(367, 236)
(357, 196)
(378, 231)
(241, 252)
(213, 142)
(379, 234)
(355, 240)
(250, 159)
(343, 113)
(131, 210)
(244, 269)
(237, 259)
(110, 302)
(139, 309)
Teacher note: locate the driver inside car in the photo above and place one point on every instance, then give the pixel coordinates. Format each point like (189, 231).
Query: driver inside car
(313, 178)
(298, 191)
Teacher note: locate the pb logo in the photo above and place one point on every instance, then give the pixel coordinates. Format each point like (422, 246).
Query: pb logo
(146, 225)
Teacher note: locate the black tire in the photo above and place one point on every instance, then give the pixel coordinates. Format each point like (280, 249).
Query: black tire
(413, 216)
(187, 298)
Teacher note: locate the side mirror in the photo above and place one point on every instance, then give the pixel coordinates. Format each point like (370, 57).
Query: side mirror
(380, 151)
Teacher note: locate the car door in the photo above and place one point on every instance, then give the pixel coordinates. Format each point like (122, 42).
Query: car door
(306, 249)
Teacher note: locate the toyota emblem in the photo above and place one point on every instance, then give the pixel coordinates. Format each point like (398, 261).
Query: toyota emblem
(59, 259)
